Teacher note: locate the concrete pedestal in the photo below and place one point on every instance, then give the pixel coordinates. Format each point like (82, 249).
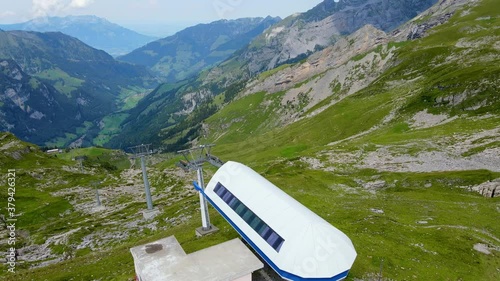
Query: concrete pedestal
(98, 209)
(201, 232)
(150, 214)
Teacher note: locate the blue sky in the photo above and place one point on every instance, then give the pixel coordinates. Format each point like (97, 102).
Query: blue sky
(128, 12)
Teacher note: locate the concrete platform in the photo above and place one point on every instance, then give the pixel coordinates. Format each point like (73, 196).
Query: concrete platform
(166, 260)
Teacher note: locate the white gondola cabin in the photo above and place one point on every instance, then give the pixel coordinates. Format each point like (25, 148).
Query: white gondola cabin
(293, 240)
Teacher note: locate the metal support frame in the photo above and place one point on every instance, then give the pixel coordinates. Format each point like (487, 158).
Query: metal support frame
(205, 217)
(146, 183)
(98, 200)
(194, 159)
(80, 160)
(96, 187)
(95, 184)
(141, 151)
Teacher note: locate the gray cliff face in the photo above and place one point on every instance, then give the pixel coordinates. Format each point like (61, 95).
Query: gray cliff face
(301, 34)
(419, 26)
(331, 71)
(350, 15)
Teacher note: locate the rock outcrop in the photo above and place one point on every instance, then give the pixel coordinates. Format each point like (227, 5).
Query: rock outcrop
(423, 23)
(302, 34)
(489, 189)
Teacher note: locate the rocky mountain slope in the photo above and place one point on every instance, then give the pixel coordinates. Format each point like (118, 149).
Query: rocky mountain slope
(30, 107)
(92, 83)
(93, 31)
(432, 81)
(193, 49)
(301, 34)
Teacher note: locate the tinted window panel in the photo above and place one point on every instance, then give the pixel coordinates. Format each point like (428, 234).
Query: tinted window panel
(278, 244)
(272, 238)
(241, 209)
(237, 205)
(227, 197)
(217, 188)
(268, 234)
(255, 223)
(247, 215)
(250, 219)
(233, 202)
(259, 227)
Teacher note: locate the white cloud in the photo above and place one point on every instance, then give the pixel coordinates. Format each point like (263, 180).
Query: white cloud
(80, 3)
(43, 8)
(7, 14)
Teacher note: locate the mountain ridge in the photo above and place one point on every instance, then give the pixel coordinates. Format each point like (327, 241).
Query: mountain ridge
(189, 51)
(92, 30)
(299, 35)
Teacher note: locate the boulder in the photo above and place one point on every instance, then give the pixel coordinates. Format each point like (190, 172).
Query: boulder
(489, 189)
(373, 185)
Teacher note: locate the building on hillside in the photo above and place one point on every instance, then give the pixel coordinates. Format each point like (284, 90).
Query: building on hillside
(293, 240)
(165, 260)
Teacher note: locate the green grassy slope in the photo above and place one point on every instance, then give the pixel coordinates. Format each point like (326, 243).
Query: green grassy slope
(51, 196)
(429, 225)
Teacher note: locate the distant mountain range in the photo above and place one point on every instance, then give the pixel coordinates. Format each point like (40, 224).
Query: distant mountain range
(93, 31)
(195, 48)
